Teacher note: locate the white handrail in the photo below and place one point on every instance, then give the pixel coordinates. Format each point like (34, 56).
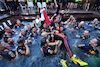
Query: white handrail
(9, 22)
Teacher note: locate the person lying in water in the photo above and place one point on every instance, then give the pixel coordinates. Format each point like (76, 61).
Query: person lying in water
(86, 35)
(80, 25)
(48, 48)
(94, 23)
(7, 53)
(8, 33)
(90, 23)
(91, 48)
(18, 24)
(23, 47)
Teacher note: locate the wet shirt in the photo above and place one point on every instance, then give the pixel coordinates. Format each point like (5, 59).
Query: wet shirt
(21, 49)
(18, 26)
(34, 34)
(24, 36)
(63, 32)
(55, 26)
(7, 54)
(9, 36)
(90, 22)
(96, 26)
(45, 30)
(5, 36)
(85, 37)
(76, 26)
(88, 49)
(48, 50)
(29, 31)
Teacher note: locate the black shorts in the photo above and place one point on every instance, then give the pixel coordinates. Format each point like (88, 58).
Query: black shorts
(70, 0)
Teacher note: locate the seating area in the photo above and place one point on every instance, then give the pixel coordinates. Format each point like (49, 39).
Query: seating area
(15, 7)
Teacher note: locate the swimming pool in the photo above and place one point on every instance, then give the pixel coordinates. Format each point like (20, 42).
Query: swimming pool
(36, 59)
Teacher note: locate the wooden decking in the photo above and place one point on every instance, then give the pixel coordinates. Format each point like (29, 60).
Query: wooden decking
(80, 15)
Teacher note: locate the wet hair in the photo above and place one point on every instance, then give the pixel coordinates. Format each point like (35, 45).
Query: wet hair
(98, 42)
(20, 40)
(43, 42)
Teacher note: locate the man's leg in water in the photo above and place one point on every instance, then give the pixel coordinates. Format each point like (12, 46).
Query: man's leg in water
(64, 40)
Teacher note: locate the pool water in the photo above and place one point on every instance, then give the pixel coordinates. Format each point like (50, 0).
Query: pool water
(36, 59)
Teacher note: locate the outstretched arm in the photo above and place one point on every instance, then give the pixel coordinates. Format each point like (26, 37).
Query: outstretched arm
(27, 49)
(54, 43)
(57, 45)
(68, 24)
(52, 17)
(67, 20)
(16, 52)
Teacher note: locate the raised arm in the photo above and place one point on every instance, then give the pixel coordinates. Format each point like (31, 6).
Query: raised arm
(16, 52)
(68, 24)
(54, 43)
(27, 49)
(67, 20)
(52, 17)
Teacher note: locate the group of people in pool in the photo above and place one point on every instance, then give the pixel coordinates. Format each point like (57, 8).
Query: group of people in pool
(52, 30)
(53, 34)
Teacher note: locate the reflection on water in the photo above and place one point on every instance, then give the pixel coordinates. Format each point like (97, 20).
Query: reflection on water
(36, 59)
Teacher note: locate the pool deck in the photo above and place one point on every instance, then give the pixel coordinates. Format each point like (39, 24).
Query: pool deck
(80, 15)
